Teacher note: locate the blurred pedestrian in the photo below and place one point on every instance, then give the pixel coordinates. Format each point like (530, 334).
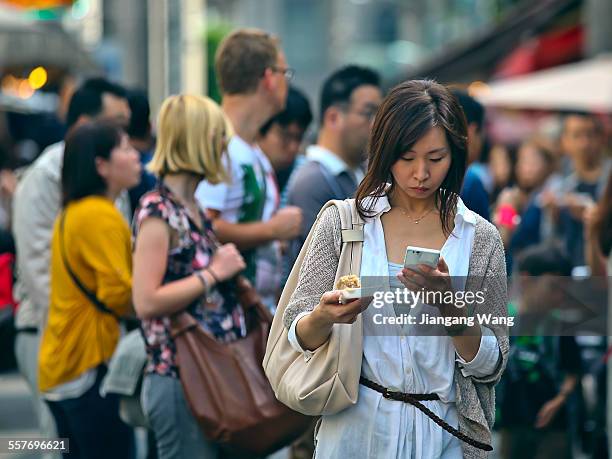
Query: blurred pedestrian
(37, 203)
(141, 138)
(598, 232)
(543, 369)
(598, 248)
(583, 141)
(253, 76)
(350, 98)
(501, 169)
(518, 210)
(418, 144)
(91, 287)
(477, 183)
(177, 266)
(281, 137)
(8, 184)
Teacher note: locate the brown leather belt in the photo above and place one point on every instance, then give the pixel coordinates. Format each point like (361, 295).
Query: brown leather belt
(415, 400)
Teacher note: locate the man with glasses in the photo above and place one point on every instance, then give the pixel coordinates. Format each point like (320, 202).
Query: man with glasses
(334, 166)
(252, 74)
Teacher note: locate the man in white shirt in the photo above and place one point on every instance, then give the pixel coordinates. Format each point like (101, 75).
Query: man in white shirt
(333, 168)
(252, 74)
(36, 204)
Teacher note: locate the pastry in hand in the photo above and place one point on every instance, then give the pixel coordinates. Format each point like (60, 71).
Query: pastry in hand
(347, 282)
(351, 288)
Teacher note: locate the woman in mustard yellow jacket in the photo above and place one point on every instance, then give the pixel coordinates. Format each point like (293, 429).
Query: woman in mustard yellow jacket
(91, 246)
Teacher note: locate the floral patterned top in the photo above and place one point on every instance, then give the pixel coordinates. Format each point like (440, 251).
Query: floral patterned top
(191, 250)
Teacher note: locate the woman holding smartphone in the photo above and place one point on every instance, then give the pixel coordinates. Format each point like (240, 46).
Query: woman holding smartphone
(417, 160)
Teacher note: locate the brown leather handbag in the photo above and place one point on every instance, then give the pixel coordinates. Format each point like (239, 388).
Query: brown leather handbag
(225, 384)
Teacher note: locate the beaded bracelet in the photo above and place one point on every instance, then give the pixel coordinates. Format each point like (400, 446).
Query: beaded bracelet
(207, 292)
(203, 280)
(214, 276)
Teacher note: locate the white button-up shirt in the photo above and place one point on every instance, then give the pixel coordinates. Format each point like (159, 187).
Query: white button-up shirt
(379, 428)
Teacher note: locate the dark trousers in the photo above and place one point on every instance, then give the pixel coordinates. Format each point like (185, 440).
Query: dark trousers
(92, 425)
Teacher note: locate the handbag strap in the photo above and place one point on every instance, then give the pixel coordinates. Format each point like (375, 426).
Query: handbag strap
(352, 234)
(91, 296)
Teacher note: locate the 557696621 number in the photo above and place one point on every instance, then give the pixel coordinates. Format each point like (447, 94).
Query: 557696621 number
(13, 445)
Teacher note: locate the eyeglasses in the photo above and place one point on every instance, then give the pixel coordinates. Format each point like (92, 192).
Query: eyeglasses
(288, 72)
(368, 113)
(287, 136)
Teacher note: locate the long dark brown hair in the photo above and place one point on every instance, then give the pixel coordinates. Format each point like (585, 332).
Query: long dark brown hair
(408, 112)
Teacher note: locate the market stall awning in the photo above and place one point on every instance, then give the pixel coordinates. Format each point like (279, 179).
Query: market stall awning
(26, 42)
(548, 50)
(479, 57)
(586, 85)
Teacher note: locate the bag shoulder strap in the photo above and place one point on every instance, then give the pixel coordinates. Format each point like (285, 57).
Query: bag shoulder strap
(352, 238)
(91, 296)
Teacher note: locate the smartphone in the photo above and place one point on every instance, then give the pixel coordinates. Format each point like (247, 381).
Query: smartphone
(421, 256)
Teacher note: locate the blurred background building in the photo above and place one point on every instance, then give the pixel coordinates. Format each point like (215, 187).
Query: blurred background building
(168, 46)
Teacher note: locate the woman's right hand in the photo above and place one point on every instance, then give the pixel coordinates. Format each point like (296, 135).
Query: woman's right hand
(226, 262)
(330, 311)
(314, 329)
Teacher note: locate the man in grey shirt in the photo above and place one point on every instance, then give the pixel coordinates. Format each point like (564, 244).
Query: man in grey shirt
(332, 168)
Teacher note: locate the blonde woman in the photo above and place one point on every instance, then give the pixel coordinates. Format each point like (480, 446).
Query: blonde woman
(177, 265)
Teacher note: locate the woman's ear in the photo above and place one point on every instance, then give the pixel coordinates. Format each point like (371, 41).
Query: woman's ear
(102, 167)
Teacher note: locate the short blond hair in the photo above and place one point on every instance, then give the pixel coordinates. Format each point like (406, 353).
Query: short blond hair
(192, 136)
(242, 58)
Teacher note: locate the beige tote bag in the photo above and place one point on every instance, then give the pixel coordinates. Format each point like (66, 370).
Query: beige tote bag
(327, 381)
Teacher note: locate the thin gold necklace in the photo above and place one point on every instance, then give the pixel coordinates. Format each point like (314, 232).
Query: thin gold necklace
(416, 221)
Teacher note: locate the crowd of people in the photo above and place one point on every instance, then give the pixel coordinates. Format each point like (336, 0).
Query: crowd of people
(121, 226)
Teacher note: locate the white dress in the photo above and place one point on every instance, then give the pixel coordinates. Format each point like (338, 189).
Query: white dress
(379, 428)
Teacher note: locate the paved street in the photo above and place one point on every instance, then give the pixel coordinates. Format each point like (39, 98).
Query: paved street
(16, 413)
(17, 417)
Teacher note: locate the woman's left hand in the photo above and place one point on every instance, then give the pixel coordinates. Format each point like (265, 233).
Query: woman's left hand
(427, 279)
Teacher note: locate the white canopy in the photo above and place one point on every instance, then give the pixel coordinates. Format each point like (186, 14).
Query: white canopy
(586, 85)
